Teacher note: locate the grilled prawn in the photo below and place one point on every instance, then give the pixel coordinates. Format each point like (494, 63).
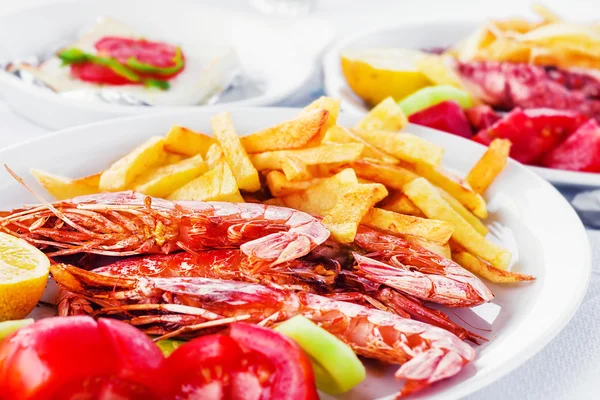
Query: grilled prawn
(298, 275)
(190, 304)
(129, 223)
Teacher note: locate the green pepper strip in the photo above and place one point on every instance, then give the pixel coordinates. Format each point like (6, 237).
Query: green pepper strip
(337, 369)
(168, 346)
(76, 56)
(8, 327)
(139, 66)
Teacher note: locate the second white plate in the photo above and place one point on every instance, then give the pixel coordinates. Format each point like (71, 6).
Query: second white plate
(421, 35)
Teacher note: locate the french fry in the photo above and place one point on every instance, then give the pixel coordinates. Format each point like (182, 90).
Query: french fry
(404, 146)
(218, 184)
(62, 188)
(344, 218)
(173, 158)
(164, 180)
(439, 249)
(319, 199)
(237, 158)
(340, 135)
(279, 185)
(489, 166)
(90, 180)
(428, 199)
(214, 156)
(398, 202)
(452, 184)
(294, 169)
(547, 15)
(392, 176)
(484, 269)
(122, 173)
(184, 141)
(400, 224)
(291, 134)
(385, 116)
(275, 201)
(326, 103)
(323, 154)
(466, 214)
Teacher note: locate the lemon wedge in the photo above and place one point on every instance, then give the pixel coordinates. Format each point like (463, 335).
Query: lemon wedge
(23, 276)
(374, 74)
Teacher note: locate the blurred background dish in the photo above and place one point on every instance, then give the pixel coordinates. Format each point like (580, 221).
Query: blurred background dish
(247, 62)
(532, 81)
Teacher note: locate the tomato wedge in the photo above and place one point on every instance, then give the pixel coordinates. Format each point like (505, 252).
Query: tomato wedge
(253, 363)
(80, 358)
(292, 375)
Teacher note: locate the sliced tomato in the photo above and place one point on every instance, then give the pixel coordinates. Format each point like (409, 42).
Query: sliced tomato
(155, 54)
(95, 73)
(202, 368)
(253, 363)
(290, 376)
(80, 358)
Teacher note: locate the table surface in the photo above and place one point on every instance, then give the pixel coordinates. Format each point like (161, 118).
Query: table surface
(569, 367)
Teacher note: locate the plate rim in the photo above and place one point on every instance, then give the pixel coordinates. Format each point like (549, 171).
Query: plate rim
(493, 374)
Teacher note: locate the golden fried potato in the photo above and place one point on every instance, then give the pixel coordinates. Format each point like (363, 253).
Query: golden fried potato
(279, 185)
(173, 158)
(295, 169)
(385, 116)
(547, 15)
(184, 141)
(340, 135)
(218, 184)
(400, 224)
(392, 176)
(62, 188)
(214, 156)
(404, 146)
(323, 154)
(326, 103)
(343, 219)
(237, 158)
(319, 199)
(428, 199)
(454, 185)
(398, 202)
(164, 180)
(122, 173)
(275, 201)
(291, 134)
(489, 166)
(466, 214)
(485, 270)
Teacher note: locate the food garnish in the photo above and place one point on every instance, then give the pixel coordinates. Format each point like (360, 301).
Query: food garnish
(23, 273)
(8, 327)
(346, 227)
(432, 95)
(337, 368)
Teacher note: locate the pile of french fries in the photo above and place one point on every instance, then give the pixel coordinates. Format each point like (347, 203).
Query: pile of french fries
(550, 41)
(370, 174)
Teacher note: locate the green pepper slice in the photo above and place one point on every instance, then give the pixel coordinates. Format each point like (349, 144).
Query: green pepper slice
(337, 369)
(168, 346)
(8, 327)
(432, 95)
(139, 66)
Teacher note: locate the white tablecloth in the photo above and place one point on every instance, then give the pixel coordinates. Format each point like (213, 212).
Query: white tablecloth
(569, 367)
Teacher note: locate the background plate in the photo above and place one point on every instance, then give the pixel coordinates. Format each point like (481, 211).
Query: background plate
(421, 35)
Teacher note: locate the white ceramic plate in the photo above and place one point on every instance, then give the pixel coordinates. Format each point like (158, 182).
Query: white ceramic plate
(552, 244)
(274, 52)
(419, 36)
